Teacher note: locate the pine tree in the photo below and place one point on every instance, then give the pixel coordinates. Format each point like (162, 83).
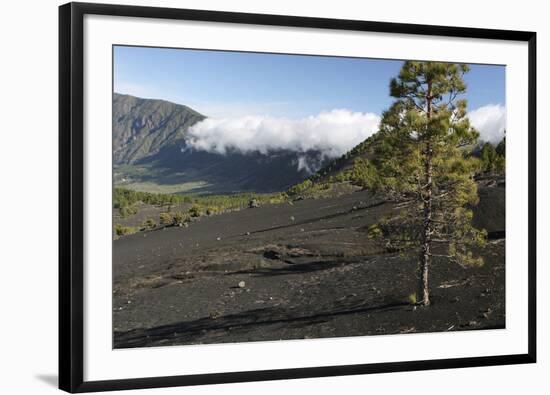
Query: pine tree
(501, 147)
(488, 157)
(500, 160)
(422, 160)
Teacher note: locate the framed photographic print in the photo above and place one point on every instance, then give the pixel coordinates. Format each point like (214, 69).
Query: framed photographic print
(251, 197)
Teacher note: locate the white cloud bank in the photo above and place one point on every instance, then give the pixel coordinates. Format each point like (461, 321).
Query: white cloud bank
(490, 122)
(332, 133)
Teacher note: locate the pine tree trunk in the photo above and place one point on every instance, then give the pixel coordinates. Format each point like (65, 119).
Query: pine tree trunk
(426, 253)
(427, 229)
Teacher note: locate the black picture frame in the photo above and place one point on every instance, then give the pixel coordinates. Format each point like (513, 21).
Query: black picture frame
(71, 171)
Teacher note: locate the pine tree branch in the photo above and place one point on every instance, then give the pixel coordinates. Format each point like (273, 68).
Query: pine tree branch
(443, 256)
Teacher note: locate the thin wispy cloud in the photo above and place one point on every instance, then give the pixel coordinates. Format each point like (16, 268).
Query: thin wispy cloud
(239, 109)
(209, 108)
(133, 89)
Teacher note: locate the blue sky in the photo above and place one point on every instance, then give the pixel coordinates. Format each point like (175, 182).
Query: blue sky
(235, 84)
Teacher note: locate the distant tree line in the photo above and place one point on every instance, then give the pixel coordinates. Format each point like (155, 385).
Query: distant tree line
(493, 159)
(127, 197)
(181, 209)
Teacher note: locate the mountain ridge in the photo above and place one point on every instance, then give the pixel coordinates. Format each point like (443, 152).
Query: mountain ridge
(151, 154)
(141, 127)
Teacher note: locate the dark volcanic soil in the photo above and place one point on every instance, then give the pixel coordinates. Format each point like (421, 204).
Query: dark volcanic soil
(306, 270)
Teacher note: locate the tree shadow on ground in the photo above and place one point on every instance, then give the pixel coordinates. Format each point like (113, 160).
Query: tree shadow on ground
(297, 268)
(193, 331)
(322, 218)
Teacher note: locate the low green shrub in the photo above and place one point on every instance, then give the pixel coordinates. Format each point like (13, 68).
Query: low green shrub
(122, 230)
(196, 210)
(149, 223)
(166, 219)
(127, 211)
(180, 218)
(300, 188)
